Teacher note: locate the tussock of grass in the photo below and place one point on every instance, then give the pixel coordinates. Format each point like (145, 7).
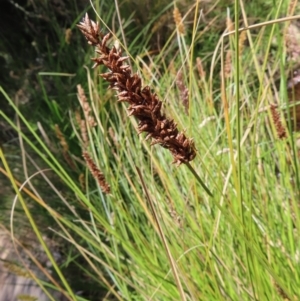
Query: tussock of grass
(157, 234)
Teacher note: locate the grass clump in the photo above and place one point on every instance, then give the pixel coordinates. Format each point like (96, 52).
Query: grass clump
(224, 228)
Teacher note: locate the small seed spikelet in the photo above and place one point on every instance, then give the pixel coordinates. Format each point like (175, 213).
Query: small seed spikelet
(95, 171)
(143, 104)
(85, 106)
(280, 129)
(228, 64)
(229, 24)
(200, 69)
(242, 39)
(178, 21)
(183, 90)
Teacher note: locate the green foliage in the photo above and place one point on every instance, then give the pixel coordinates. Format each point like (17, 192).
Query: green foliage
(158, 235)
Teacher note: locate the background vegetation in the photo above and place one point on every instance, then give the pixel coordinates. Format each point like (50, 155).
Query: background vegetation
(158, 235)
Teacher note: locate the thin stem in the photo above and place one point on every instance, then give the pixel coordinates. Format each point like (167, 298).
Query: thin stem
(164, 240)
(199, 179)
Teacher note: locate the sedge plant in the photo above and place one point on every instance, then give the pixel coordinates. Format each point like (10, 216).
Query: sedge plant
(226, 227)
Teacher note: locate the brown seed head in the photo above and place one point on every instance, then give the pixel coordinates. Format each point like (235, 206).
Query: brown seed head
(96, 172)
(228, 64)
(143, 104)
(280, 129)
(178, 21)
(183, 90)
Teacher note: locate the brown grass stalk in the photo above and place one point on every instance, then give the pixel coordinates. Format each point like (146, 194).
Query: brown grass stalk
(228, 64)
(200, 69)
(183, 90)
(95, 171)
(280, 129)
(85, 106)
(229, 24)
(61, 138)
(242, 39)
(178, 21)
(143, 104)
(84, 133)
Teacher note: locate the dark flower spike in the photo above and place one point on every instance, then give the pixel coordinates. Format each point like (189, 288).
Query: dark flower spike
(143, 104)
